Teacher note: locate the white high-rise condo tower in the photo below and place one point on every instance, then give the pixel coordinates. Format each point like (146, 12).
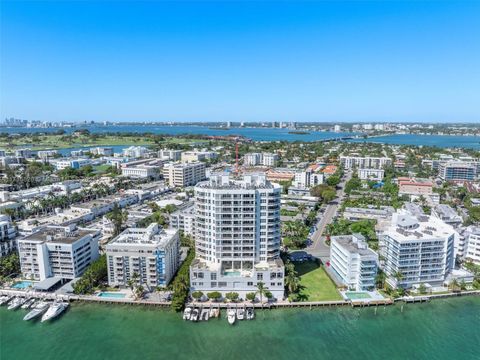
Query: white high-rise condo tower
(237, 236)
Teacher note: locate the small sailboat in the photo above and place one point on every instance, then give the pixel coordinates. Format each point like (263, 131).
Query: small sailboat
(231, 316)
(16, 303)
(194, 316)
(240, 313)
(54, 310)
(187, 313)
(37, 310)
(250, 314)
(28, 303)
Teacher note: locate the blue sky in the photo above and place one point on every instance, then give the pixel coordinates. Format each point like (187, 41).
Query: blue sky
(240, 61)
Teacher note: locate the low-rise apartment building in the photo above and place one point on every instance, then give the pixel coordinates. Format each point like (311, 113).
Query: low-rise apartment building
(184, 174)
(149, 254)
(353, 262)
(371, 174)
(58, 251)
(365, 162)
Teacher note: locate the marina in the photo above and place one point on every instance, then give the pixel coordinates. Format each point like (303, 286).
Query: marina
(114, 332)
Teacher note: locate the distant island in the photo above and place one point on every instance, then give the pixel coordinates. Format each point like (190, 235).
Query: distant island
(299, 132)
(219, 128)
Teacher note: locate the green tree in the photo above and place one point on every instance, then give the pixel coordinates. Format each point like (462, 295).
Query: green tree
(232, 296)
(250, 296)
(197, 295)
(214, 295)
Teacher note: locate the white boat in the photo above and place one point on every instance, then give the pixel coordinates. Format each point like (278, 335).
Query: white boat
(28, 303)
(214, 312)
(250, 314)
(187, 313)
(240, 314)
(37, 310)
(231, 316)
(5, 299)
(194, 316)
(16, 303)
(54, 310)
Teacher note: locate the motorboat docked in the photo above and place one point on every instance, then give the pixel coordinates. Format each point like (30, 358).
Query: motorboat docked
(231, 316)
(187, 313)
(54, 310)
(28, 303)
(214, 312)
(250, 314)
(5, 299)
(194, 316)
(37, 310)
(240, 313)
(16, 303)
(204, 314)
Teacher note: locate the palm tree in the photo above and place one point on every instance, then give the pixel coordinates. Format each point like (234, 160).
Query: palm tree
(261, 290)
(398, 276)
(454, 285)
(380, 279)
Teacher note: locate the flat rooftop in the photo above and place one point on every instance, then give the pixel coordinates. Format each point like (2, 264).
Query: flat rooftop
(58, 235)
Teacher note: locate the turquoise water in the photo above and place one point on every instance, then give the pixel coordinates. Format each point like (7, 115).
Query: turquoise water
(22, 284)
(440, 330)
(111, 295)
(472, 142)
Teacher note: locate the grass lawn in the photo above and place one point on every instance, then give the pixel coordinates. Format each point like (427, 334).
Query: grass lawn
(39, 142)
(315, 284)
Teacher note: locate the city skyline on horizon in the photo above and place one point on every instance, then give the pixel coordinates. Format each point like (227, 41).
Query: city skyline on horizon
(339, 62)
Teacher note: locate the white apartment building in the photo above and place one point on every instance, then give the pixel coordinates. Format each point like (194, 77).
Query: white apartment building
(184, 220)
(237, 236)
(447, 214)
(472, 244)
(252, 159)
(419, 247)
(142, 171)
(184, 174)
(270, 159)
(195, 156)
(354, 263)
(265, 159)
(58, 251)
(46, 154)
(307, 179)
(135, 151)
(371, 174)
(104, 151)
(7, 235)
(365, 162)
(152, 253)
(168, 154)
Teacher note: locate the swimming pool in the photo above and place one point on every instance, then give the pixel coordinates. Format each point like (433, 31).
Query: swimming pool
(111, 295)
(357, 295)
(22, 284)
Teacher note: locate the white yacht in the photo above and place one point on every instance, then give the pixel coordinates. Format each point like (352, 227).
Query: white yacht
(28, 303)
(195, 314)
(231, 316)
(240, 314)
(5, 299)
(250, 314)
(187, 312)
(54, 310)
(16, 303)
(37, 310)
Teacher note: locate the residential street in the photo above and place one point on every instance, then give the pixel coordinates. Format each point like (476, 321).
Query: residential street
(318, 248)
